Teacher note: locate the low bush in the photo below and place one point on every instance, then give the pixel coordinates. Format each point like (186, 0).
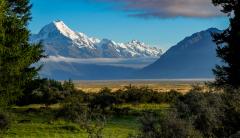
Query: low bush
(4, 123)
(103, 100)
(166, 125)
(204, 110)
(197, 114)
(231, 121)
(132, 94)
(72, 108)
(93, 123)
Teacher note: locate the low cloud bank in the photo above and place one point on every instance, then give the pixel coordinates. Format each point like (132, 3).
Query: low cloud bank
(118, 62)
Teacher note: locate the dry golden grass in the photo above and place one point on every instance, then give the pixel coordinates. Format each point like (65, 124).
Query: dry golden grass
(160, 86)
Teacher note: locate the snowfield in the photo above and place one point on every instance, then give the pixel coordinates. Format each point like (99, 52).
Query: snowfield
(59, 40)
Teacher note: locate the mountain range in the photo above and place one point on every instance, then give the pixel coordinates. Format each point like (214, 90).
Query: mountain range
(77, 56)
(193, 57)
(59, 40)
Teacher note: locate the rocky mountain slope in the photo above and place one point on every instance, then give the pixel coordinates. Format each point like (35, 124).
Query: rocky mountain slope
(193, 57)
(59, 40)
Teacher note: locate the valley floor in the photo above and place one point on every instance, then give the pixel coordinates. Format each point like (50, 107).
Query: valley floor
(180, 85)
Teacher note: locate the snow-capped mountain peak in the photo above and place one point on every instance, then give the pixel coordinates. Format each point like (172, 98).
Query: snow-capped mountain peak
(65, 30)
(136, 42)
(60, 40)
(107, 41)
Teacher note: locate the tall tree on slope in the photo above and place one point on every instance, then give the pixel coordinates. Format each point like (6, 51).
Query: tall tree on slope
(228, 46)
(16, 54)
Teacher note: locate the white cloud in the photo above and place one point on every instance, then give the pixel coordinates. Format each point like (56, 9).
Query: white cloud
(118, 62)
(167, 8)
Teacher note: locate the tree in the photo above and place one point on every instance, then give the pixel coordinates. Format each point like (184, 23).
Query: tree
(228, 46)
(17, 55)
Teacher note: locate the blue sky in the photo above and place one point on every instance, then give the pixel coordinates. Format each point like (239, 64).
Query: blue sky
(109, 19)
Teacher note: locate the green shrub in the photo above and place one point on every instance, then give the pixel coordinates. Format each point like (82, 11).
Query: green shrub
(204, 110)
(4, 123)
(104, 99)
(231, 120)
(132, 94)
(93, 123)
(76, 111)
(72, 108)
(165, 126)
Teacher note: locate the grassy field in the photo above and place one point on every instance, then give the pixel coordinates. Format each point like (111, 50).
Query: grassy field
(158, 85)
(34, 122)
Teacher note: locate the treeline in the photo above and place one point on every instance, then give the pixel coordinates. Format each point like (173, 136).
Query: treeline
(44, 91)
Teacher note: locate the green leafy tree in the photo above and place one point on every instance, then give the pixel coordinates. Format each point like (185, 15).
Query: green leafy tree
(228, 48)
(17, 55)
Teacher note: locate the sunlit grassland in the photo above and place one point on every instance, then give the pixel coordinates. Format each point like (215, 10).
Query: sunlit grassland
(143, 107)
(34, 121)
(159, 86)
(43, 125)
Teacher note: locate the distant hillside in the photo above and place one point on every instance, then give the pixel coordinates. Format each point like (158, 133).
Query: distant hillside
(75, 71)
(62, 68)
(193, 57)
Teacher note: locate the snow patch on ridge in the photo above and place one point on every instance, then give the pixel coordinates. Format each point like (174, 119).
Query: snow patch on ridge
(59, 39)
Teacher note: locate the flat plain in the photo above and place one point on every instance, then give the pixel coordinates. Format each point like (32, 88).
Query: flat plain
(181, 85)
